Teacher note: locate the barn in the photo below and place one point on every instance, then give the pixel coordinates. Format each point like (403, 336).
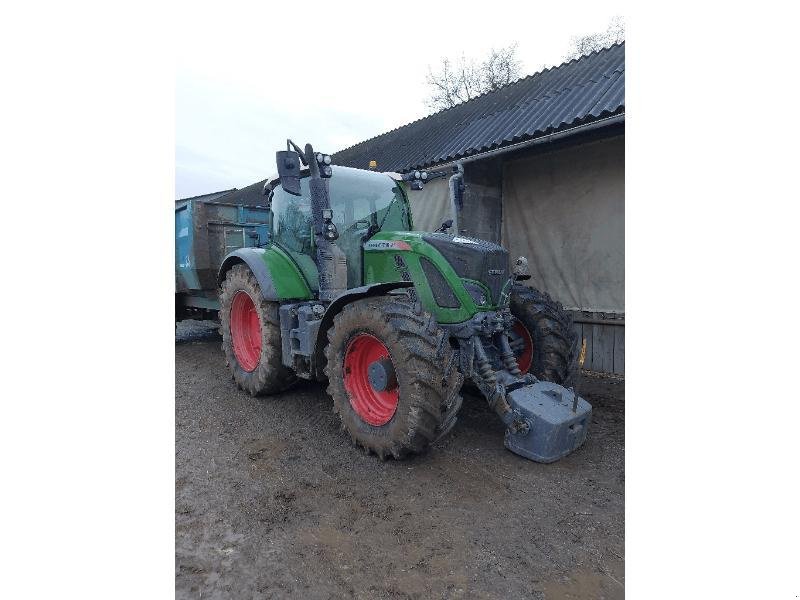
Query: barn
(544, 173)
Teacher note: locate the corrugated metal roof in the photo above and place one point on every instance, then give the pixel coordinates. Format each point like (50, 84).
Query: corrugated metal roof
(207, 197)
(252, 195)
(556, 99)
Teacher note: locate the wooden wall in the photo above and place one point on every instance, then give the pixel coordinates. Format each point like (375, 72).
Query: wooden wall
(605, 340)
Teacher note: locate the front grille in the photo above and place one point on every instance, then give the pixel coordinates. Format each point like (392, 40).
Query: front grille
(480, 260)
(442, 292)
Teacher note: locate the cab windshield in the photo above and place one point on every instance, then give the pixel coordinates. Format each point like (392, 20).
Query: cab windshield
(362, 202)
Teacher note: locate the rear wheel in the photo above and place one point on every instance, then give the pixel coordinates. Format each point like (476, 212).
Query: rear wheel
(251, 337)
(542, 337)
(392, 375)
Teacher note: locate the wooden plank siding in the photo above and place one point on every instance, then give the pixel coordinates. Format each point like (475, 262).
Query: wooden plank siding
(605, 340)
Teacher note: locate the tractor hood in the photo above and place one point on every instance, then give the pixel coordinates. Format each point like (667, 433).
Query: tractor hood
(474, 259)
(456, 277)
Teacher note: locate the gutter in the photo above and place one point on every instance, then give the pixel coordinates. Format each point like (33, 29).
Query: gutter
(545, 139)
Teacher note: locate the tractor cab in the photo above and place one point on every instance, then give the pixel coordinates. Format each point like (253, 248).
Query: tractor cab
(363, 203)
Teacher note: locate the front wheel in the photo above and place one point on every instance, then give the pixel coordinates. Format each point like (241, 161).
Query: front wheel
(542, 337)
(251, 339)
(392, 375)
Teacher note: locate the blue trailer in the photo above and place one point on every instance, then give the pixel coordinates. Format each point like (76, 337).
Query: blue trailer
(208, 228)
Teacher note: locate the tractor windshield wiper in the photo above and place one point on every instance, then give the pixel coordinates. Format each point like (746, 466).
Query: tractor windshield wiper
(374, 227)
(388, 210)
(385, 216)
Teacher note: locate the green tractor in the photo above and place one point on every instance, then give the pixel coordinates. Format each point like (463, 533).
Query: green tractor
(394, 320)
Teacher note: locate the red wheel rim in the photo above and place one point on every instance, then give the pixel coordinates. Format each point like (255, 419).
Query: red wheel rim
(245, 331)
(373, 406)
(525, 356)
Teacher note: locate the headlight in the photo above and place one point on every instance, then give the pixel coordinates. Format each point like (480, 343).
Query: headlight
(477, 293)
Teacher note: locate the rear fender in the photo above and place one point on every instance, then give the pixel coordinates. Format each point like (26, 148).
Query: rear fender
(277, 275)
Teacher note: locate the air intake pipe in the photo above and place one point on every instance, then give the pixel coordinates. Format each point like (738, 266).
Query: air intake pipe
(456, 185)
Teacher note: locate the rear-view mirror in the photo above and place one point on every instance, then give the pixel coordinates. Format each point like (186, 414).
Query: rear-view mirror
(289, 170)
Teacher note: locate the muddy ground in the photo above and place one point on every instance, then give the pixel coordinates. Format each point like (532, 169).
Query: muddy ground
(272, 501)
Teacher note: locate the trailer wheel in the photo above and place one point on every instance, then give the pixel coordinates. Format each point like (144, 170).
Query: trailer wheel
(251, 340)
(543, 339)
(392, 375)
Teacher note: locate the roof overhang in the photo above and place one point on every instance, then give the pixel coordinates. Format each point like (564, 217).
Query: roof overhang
(555, 136)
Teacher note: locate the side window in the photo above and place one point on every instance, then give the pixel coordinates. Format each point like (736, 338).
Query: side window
(291, 220)
(292, 226)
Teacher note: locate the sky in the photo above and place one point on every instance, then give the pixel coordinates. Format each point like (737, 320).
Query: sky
(249, 75)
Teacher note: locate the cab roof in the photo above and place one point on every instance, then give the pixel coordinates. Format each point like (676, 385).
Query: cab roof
(273, 180)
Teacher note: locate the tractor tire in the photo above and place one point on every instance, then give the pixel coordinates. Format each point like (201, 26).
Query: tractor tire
(543, 338)
(251, 338)
(413, 398)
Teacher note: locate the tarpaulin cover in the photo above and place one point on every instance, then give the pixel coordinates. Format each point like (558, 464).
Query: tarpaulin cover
(565, 211)
(430, 206)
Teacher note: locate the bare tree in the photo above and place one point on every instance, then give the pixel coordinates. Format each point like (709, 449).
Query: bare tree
(501, 67)
(464, 79)
(586, 44)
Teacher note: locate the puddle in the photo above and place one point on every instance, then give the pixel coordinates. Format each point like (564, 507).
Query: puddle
(588, 584)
